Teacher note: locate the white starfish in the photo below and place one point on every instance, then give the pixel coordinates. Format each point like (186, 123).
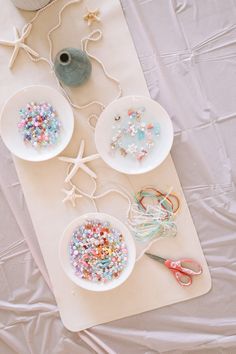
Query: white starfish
(92, 16)
(71, 195)
(19, 42)
(79, 162)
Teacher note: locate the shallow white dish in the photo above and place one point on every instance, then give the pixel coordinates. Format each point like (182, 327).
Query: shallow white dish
(64, 256)
(10, 118)
(104, 132)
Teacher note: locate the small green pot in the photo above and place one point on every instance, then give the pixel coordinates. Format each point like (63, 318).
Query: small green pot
(72, 67)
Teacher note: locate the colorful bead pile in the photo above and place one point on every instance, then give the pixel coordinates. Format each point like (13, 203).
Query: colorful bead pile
(98, 252)
(39, 124)
(134, 135)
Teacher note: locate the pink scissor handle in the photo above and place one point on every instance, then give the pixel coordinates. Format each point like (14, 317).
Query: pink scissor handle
(182, 278)
(186, 265)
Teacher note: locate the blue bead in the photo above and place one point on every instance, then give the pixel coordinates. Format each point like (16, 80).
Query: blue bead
(141, 134)
(157, 129)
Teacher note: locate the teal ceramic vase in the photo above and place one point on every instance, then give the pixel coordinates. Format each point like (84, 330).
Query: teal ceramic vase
(72, 67)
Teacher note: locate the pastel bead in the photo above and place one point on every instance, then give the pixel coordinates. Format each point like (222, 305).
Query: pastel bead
(39, 124)
(106, 253)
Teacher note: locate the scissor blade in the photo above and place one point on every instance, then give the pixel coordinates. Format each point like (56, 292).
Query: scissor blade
(156, 258)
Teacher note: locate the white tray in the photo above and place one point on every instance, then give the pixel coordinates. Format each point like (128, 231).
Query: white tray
(151, 285)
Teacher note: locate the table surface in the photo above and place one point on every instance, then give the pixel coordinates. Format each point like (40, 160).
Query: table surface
(187, 52)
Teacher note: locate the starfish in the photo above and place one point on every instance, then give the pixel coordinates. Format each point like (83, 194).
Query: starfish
(79, 162)
(19, 42)
(92, 16)
(71, 195)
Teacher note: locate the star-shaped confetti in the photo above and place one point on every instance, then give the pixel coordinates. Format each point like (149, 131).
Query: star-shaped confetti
(71, 195)
(79, 162)
(92, 16)
(19, 42)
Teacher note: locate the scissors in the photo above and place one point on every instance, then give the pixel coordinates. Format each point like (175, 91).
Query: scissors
(182, 269)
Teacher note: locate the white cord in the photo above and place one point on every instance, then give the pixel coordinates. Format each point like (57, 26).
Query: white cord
(84, 45)
(94, 197)
(42, 10)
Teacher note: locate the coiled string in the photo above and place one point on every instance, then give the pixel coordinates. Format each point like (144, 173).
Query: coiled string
(152, 214)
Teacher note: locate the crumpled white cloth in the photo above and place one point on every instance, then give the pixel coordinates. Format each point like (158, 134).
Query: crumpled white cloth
(187, 51)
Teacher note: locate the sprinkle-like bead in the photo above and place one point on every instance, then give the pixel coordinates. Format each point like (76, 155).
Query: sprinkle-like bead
(106, 253)
(39, 124)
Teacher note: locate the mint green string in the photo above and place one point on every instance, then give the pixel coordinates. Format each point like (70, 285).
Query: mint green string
(157, 220)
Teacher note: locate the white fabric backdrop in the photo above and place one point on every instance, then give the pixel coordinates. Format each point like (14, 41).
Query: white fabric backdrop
(187, 50)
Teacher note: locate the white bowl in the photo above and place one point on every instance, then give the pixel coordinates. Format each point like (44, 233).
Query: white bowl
(10, 118)
(104, 132)
(64, 255)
